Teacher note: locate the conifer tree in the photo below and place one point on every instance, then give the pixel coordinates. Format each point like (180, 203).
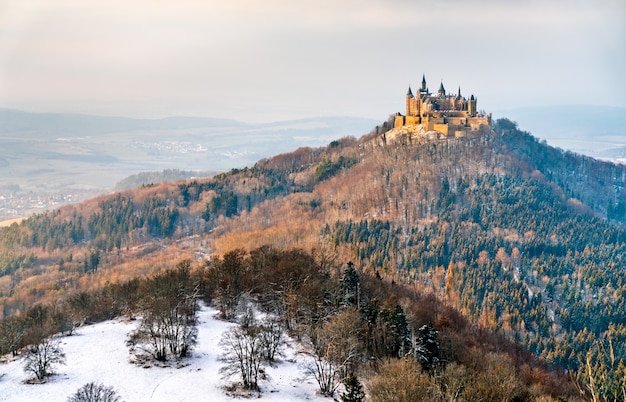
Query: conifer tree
(354, 389)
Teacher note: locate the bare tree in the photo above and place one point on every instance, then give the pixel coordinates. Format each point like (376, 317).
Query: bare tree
(95, 392)
(337, 350)
(269, 329)
(168, 327)
(243, 355)
(226, 277)
(12, 331)
(42, 357)
(165, 331)
(272, 339)
(326, 373)
(402, 380)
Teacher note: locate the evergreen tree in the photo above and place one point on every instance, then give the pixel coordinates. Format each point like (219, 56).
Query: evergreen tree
(354, 389)
(426, 348)
(350, 286)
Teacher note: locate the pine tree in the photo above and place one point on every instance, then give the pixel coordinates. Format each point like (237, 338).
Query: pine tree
(350, 286)
(354, 389)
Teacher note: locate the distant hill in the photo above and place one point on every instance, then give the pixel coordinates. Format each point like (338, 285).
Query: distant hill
(52, 125)
(598, 131)
(53, 158)
(152, 178)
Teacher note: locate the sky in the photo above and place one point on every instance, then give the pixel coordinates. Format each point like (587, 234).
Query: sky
(273, 60)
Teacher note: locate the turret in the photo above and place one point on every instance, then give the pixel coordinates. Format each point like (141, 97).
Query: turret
(424, 89)
(471, 106)
(442, 90)
(409, 98)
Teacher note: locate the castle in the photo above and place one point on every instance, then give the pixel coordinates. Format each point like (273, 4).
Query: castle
(447, 114)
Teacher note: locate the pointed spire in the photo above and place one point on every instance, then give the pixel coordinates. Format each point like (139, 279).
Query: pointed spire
(442, 90)
(459, 91)
(409, 92)
(423, 81)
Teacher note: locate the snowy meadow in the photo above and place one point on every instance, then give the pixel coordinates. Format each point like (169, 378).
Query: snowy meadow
(98, 353)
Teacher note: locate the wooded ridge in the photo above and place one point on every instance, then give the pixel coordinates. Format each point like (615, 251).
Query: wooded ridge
(524, 240)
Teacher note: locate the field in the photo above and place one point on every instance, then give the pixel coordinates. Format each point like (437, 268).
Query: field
(98, 353)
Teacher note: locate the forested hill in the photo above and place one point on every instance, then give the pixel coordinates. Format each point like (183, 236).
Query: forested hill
(525, 239)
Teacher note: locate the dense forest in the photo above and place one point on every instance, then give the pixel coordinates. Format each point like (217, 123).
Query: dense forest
(525, 240)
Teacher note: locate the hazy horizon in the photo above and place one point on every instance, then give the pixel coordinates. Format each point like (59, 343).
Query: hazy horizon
(281, 60)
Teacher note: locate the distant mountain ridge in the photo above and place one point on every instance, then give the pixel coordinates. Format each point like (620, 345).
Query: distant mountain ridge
(52, 157)
(70, 124)
(17, 121)
(598, 131)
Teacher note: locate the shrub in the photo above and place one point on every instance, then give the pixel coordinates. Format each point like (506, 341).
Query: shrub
(95, 392)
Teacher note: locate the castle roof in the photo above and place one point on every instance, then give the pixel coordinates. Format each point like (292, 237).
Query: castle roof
(409, 93)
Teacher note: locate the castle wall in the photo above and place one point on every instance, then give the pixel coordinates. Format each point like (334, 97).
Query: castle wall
(441, 127)
(412, 106)
(457, 120)
(430, 122)
(412, 120)
(398, 121)
(476, 122)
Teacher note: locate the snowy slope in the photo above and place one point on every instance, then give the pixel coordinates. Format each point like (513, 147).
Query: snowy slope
(98, 353)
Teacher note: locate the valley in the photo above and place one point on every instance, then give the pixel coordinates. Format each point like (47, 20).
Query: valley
(48, 160)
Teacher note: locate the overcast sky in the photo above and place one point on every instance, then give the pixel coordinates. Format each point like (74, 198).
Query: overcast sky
(263, 60)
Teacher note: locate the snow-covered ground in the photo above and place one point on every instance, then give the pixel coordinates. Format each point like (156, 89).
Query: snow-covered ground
(99, 353)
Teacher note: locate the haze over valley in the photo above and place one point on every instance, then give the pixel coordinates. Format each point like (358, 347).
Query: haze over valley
(48, 160)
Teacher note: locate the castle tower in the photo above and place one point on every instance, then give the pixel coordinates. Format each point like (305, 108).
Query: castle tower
(442, 91)
(424, 89)
(471, 106)
(409, 99)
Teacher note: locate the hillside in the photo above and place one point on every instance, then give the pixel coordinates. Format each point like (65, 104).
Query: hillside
(97, 353)
(526, 240)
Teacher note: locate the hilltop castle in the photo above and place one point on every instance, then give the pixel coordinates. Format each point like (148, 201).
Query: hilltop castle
(447, 114)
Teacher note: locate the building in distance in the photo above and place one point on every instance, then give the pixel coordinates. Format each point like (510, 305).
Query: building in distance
(448, 114)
